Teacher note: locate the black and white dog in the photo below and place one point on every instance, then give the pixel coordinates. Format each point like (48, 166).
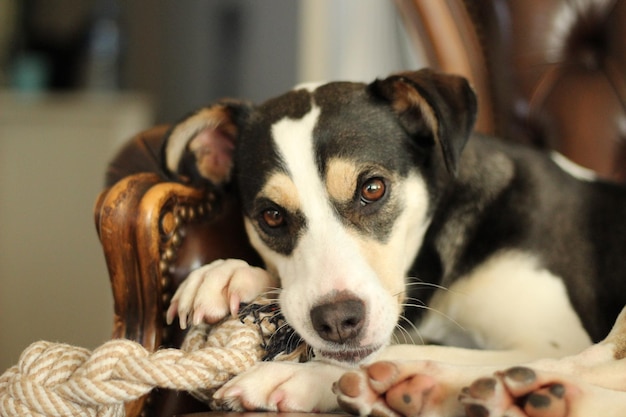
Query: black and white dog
(374, 212)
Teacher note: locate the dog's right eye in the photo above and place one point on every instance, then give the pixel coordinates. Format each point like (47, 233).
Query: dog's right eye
(273, 218)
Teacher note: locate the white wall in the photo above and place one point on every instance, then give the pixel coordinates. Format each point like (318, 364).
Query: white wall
(352, 40)
(53, 153)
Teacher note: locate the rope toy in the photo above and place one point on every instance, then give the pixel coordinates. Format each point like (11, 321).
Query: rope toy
(62, 380)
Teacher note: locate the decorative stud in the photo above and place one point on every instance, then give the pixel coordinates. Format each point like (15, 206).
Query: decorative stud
(164, 267)
(169, 254)
(168, 223)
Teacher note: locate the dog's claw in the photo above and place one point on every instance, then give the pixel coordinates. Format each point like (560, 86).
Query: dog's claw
(235, 301)
(182, 321)
(171, 312)
(225, 393)
(198, 316)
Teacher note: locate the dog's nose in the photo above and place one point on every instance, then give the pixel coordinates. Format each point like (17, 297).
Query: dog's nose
(340, 320)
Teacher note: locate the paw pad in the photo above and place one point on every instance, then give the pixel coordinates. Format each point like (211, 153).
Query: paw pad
(520, 375)
(349, 384)
(483, 388)
(476, 410)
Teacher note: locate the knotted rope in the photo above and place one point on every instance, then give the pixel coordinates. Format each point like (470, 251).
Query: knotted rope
(62, 380)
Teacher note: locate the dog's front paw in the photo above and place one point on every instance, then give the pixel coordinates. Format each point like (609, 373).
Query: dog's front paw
(212, 291)
(524, 392)
(384, 389)
(282, 386)
(402, 388)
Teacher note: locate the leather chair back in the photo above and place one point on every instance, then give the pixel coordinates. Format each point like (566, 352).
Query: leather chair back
(550, 73)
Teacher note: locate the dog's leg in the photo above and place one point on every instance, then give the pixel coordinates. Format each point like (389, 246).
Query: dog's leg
(428, 383)
(424, 388)
(590, 383)
(282, 386)
(212, 291)
(433, 389)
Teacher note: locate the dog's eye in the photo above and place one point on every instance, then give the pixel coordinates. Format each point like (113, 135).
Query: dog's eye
(273, 217)
(372, 190)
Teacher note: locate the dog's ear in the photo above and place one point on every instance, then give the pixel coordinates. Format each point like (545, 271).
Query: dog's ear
(201, 146)
(432, 105)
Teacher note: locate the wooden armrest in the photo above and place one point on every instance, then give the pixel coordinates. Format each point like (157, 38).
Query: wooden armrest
(153, 233)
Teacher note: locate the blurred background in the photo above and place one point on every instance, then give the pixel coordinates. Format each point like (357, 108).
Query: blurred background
(79, 77)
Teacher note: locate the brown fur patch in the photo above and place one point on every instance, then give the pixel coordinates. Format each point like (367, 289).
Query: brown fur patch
(382, 260)
(406, 98)
(281, 190)
(341, 179)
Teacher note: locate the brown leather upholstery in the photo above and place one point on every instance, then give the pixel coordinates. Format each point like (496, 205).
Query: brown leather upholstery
(551, 73)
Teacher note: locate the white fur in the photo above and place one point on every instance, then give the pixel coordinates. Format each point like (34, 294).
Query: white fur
(508, 302)
(309, 86)
(573, 168)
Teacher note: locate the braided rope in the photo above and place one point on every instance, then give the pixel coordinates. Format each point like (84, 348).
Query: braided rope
(62, 380)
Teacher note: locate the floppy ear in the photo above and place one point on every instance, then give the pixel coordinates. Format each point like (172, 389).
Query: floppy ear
(201, 146)
(433, 105)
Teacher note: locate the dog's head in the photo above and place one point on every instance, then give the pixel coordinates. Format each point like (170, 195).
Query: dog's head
(337, 183)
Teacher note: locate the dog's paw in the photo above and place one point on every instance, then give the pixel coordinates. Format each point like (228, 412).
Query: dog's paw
(488, 396)
(403, 388)
(522, 391)
(213, 291)
(360, 393)
(519, 392)
(282, 386)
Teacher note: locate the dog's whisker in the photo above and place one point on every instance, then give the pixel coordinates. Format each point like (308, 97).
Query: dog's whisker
(399, 331)
(396, 339)
(410, 322)
(418, 301)
(423, 306)
(408, 332)
(414, 328)
(276, 332)
(402, 337)
(294, 339)
(270, 291)
(416, 282)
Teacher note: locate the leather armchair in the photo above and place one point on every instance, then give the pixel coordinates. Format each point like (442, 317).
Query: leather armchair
(153, 233)
(549, 73)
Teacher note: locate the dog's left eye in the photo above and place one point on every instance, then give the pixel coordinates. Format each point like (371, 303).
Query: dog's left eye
(372, 190)
(273, 217)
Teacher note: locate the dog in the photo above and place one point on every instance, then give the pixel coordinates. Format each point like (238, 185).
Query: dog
(383, 218)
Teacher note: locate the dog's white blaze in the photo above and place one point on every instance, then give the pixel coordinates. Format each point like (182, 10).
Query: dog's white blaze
(309, 85)
(573, 168)
(509, 302)
(326, 259)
